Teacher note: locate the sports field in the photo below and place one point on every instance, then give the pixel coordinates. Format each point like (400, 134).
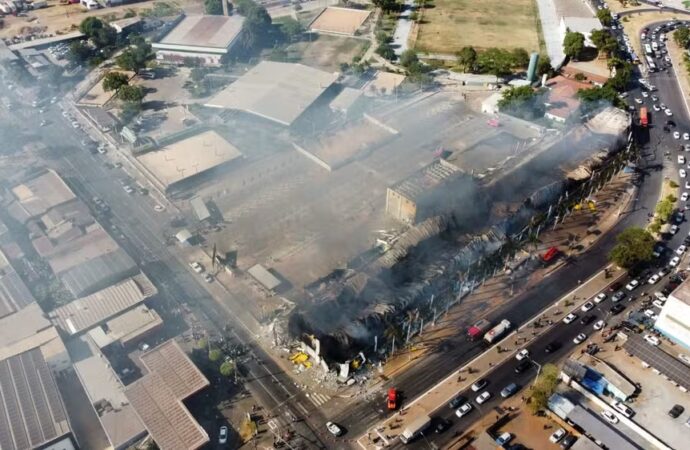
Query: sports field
(452, 24)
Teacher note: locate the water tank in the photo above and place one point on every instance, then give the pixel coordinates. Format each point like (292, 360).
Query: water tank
(532, 69)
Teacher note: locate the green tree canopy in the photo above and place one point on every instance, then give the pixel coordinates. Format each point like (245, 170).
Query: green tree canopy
(386, 5)
(227, 368)
(215, 354)
(136, 56)
(634, 245)
(604, 41)
(256, 29)
(408, 58)
(664, 209)
(467, 56)
(500, 62)
(543, 387)
(604, 16)
(291, 29)
(522, 101)
(100, 33)
(215, 7)
(385, 50)
(129, 93)
(544, 65)
(112, 81)
(573, 44)
(79, 52)
(682, 36)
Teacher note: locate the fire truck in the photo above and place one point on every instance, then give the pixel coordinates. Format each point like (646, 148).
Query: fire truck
(392, 399)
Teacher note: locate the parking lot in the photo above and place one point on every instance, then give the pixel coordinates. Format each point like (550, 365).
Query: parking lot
(657, 396)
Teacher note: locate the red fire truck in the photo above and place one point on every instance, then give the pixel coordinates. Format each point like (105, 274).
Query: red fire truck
(392, 399)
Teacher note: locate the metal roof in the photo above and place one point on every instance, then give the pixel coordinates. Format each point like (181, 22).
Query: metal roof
(276, 91)
(86, 312)
(200, 208)
(595, 426)
(264, 277)
(14, 295)
(425, 179)
(167, 420)
(682, 292)
(217, 32)
(675, 370)
(98, 272)
(42, 192)
(31, 410)
(175, 368)
(23, 324)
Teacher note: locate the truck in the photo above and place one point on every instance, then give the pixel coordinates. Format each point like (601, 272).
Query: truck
(477, 330)
(644, 120)
(415, 428)
(496, 332)
(392, 399)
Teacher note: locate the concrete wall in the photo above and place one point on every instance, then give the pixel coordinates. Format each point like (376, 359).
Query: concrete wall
(400, 207)
(674, 321)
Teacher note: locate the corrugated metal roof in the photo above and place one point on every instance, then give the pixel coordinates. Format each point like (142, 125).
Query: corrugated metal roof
(175, 368)
(425, 179)
(659, 359)
(200, 208)
(96, 273)
(86, 312)
(595, 426)
(264, 277)
(14, 295)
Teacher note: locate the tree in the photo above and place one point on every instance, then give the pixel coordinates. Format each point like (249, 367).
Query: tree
(129, 111)
(112, 81)
(133, 94)
(99, 32)
(604, 41)
(215, 7)
(409, 58)
(385, 50)
(256, 29)
(90, 26)
(198, 73)
(544, 66)
(682, 36)
(291, 28)
(633, 246)
(520, 57)
(201, 344)
(543, 387)
(386, 5)
(573, 44)
(136, 56)
(227, 368)
(214, 354)
(664, 209)
(467, 56)
(522, 102)
(604, 16)
(79, 52)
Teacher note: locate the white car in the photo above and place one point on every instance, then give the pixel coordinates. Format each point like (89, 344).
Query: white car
(674, 229)
(579, 338)
(522, 354)
(479, 385)
(196, 267)
(599, 324)
(668, 112)
(223, 435)
(609, 416)
(464, 410)
(75, 124)
(638, 101)
(649, 313)
(656, 108)
(660, 296)
(686, 136)
(681, 159)
(652, 340)
(159, 208)
(680, 250)
(504, 438)
(484, 396)
(681, 172)
(334, 429)
(569, 318)
(658, 303)
(676, 135)
(623, 409)
(632, 285)
(208, 278)
(599, 298)
(654, 279)
(684, 197)
(674, 261)
(557, 435)
(645, 94)
(587, 306)
(128, 189)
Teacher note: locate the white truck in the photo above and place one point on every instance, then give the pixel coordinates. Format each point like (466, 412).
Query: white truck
(496, 332)
(415, 428)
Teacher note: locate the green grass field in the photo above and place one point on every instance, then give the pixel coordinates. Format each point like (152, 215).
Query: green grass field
(453, 24)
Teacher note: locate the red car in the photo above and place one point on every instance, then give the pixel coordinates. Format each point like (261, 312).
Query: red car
(392, 399)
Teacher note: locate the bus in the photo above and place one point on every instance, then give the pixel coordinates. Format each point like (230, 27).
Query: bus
(648, 49)
(644, 120)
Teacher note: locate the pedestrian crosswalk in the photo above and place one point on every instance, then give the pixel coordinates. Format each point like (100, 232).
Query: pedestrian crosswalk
(318, 399)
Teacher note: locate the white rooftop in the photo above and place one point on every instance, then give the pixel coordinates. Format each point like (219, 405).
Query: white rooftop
(276, 91)
(214, 32)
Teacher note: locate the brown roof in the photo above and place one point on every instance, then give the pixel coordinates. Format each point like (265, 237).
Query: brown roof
(177, 370)
(165, 417)
(563, 95)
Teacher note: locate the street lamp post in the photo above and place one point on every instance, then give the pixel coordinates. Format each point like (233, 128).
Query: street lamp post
(538, 372)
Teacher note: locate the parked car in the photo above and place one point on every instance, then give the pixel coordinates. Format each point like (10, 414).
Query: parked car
(198, 268)
(522, 354)
(479, 385)
(504, 438)
(632, 285)
(456, 401)
(616, 309)
(524, 365)
(676, 411)
(579, 338)
(568, 441)
(618, 296)
(674, 261)
(509, 390)
(483, 397)
(654, 279)
(442, 425)
(599, 298)
(587, 306)
(598, 325)
(557, 435)
(569, 318)
(652, 340)
(622, 408)
(609, 416)
(587, 319)
(552, 347)
(464, 410)
(334, 429)
(223, 435)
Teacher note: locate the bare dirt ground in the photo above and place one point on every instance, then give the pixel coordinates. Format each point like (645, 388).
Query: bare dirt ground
(325, 52)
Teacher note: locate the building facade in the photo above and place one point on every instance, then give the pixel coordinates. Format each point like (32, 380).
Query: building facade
(674, 319)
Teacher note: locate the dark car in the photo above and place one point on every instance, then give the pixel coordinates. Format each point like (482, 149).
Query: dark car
(616, 309)
(615, 286)
(670, 123)
(552, 347)
(676, 411)
(456, 401)
(524, 365)
(568, 441)
(442, 425)
(586, 319)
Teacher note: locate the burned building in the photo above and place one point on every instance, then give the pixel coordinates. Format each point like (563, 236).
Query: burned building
(431, 191)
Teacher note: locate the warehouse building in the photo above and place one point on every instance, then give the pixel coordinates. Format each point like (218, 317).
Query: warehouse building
(14, 295)
(208, 39)
(674, 318)
(279, 92)
(432, 190)
(37, 195)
